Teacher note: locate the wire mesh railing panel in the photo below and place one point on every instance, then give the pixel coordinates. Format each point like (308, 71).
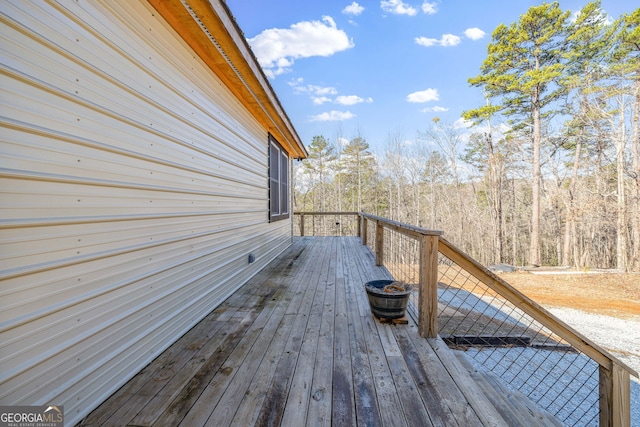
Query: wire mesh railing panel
(326, 225)
(500, 337)
(401, 257)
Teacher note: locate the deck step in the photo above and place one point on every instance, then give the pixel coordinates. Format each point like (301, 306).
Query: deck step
(515, 407)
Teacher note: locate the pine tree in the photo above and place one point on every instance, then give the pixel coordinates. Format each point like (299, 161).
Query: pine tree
(317, 166)
(358, 166)
(587, 48)
(626, 56)
(523, 73)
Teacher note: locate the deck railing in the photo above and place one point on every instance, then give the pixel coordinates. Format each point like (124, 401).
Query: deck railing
(502, 330)
(327, 224)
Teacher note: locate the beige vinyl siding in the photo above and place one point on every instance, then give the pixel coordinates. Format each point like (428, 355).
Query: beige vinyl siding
(133, 188)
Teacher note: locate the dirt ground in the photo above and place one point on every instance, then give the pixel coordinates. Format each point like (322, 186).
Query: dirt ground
(610, 294)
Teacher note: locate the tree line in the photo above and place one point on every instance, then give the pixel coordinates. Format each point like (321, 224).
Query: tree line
(547, 174)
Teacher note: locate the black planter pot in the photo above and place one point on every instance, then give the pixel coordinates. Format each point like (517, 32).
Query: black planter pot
(386, 305)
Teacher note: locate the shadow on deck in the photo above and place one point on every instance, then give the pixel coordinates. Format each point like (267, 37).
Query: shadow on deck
(297, 345)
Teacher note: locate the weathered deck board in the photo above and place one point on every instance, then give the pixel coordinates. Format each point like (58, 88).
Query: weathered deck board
(297, 345)
(512, 404)
(319, 412)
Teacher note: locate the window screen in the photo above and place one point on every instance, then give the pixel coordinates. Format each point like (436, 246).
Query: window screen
(278, 181)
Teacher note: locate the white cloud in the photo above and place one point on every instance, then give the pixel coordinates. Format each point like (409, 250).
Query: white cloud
(351, 100)
(445, 40)
(332, 116)
(342, 141)
(296, 82)
(398, 7)
(462, 123)
(423, 96)
(353, 9)
(424, 41)
(319, 100)
(320, 90)
(606, 18)
(313, 90)
(277, 48)
(429, 8)
(321, 94)
(474, 33)
(435, 109)
(450, 40)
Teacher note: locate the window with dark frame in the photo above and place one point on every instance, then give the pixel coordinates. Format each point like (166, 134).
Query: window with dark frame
(278, 181)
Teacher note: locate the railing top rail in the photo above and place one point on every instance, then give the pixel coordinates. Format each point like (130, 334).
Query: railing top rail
(400, 226)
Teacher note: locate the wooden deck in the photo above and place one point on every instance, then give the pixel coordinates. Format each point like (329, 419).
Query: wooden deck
(297, 345)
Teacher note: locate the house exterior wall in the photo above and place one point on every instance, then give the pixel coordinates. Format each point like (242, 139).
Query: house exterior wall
(134, 186)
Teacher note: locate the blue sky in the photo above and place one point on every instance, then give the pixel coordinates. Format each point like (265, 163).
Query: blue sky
(378, 69)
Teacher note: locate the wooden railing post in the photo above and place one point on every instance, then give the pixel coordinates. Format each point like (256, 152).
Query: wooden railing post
(428, 287)
(379, 243)
(615, 396)
(302, 224)
(365, 226)
(359, 225)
